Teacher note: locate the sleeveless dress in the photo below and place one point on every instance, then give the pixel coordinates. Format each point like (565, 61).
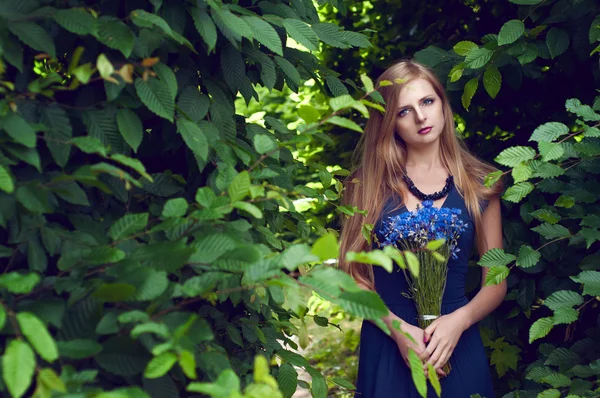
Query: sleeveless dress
(382, 373)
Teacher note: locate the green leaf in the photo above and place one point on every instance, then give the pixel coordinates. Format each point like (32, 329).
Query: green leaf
(249, 208)
(563, 299)
(478, 58)
(159, 329)
(302, 33)
(496, 275)
(514, 155)
(36, 256)
(364, 304)
(585, 112)
(18, 366)
(156, 96)
(72, 193)
(557, 380)
(412, 262)
(367, 83)
(264, 143)
(6, 181)
(517, 192)
(557, 41)
(565, 316)
(456, 72)
(464, 47)
(160, 365)
(129, 392)
(28, 155)
(562, 357)
(2, 316)
(114, 292)
(34, 36)
(548, 170)
(510, 32)
(239, 187)
(549, 132)
(265, 34)
(128, 225)
(194, 138)
(326, 247)
(206, 27)
(78, 348)
(193, 103)
(550, 231)
(591, 282)
(18, 283)
(37, 334)
(434, 380)
(59, 131)
(187, 362)
(287, 379)
(550, 393)
(319, 385)
(88, 144)
(469, 92)
(75, 20)
(130, 127)
(34, 200)
(594, 33)
(522, 172)
(530, 54)
(540, 328)
(289, 70)
(115, 34)
(343, 122)
(341, 102)
(19, 130)
(492, 81)
(417, 374)
(232, 26)
(550, 150)
(226, 385)
(51, 380)
(564, 201)
(528, 257)
(590, 235)
(167, 77)
(175, 208)
(375, 257)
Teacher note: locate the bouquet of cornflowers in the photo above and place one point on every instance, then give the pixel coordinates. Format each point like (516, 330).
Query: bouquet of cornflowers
(432, 234)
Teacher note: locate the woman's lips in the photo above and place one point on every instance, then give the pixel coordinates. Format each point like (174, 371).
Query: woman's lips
(425, 130)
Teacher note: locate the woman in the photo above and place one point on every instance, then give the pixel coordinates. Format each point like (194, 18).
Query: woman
(407, 152)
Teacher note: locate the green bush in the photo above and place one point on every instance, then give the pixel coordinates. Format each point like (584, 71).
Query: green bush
(151, 236)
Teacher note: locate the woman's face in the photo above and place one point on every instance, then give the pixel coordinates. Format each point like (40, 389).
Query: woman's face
(420, 116)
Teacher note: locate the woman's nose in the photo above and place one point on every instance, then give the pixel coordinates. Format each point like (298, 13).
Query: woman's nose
(420, 115)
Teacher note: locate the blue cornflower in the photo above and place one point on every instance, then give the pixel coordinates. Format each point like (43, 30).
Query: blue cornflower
(425, 224)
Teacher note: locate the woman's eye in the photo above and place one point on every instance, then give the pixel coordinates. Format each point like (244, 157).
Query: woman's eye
(428, 101)
(403, 112)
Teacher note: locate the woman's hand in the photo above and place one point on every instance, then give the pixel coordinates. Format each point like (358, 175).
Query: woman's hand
(404, 343)
(442, 336)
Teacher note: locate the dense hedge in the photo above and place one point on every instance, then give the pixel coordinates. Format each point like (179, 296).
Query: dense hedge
(150, 234)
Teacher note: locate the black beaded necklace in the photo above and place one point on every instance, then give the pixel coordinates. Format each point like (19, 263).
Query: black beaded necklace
(433, 196)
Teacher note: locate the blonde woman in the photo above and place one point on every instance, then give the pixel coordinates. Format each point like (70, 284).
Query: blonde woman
(407, 155)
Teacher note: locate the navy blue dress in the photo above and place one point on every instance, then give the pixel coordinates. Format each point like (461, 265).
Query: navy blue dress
(382, 373)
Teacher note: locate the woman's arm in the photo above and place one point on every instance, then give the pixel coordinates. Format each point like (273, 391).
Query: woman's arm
(450, 327)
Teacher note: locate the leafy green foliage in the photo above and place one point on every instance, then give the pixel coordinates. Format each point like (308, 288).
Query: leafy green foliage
(155, 234)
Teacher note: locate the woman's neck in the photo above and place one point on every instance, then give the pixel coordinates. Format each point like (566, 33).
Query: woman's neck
(425, 158)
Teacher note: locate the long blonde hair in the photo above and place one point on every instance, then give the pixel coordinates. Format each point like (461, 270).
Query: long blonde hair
(381, 155)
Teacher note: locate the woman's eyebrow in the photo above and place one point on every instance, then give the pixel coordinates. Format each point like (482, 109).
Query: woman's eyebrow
(405, 106)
